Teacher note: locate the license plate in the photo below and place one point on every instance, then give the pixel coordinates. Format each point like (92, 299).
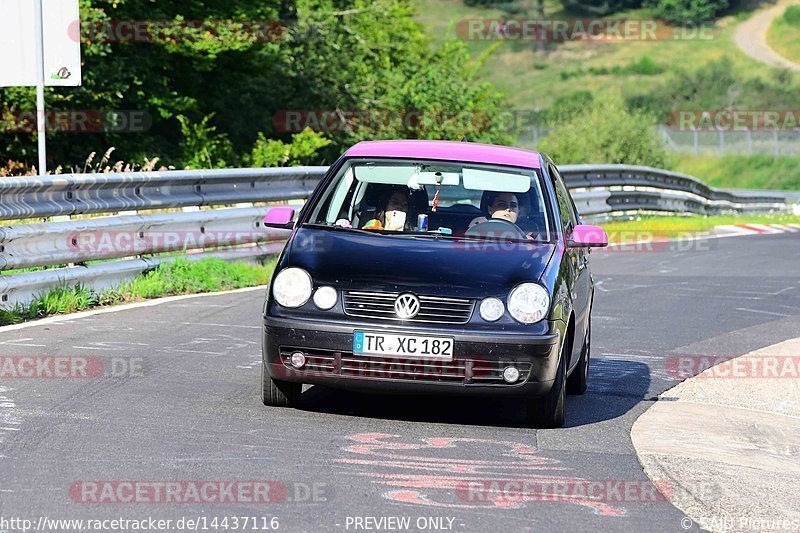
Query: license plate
(369, 343)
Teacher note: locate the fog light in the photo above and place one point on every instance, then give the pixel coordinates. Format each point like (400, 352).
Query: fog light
(299, 360)
(325, 297)
(510, 374)
(492, 309)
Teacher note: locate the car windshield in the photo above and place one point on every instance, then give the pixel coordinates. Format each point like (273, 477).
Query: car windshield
(434, 198)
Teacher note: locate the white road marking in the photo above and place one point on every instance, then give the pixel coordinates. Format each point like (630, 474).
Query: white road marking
(63, 319)
(202, 305)
(176, 350)
(20, 342)
(759, 311)
(786, 227)
(736, 230)
(765, 228)
(631, 355)
(787, 289)
(108, 346)
(9, 421)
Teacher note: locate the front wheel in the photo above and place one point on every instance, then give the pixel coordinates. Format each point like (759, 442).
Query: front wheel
(579, 379)
(548, 411)
(279, 393)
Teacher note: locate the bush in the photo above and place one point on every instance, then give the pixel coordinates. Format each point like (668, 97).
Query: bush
(15, 168)
(645, 66)
(599, 7)
(568, 105)
(717, 85)
(607, 132)
(202, 146)
(301, 151)
(689, 11)
(792, 15)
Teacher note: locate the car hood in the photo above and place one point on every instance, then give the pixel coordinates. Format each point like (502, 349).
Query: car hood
(470, 269)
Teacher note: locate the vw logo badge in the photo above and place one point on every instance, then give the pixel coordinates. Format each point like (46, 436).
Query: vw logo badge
(406, 306)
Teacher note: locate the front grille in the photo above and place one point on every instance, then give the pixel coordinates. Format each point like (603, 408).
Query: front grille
(345, 364)
(432, 309)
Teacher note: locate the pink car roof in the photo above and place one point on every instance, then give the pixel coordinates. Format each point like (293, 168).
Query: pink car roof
(447, 151)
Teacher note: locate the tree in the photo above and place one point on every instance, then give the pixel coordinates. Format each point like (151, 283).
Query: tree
(606, 132)
(689, 11)
(211, 81)
(599, 7)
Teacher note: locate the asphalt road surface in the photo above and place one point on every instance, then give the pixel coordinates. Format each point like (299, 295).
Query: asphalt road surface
(172, 393)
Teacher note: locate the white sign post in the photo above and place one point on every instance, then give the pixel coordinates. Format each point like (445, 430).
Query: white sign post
(40, 43)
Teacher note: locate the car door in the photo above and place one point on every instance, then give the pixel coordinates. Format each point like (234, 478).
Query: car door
(578, 260)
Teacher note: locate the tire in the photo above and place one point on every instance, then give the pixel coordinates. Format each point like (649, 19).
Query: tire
(279, 393)
(579, 380)
(548, 410)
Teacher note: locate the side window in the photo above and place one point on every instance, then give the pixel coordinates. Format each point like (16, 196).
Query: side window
(566, 209)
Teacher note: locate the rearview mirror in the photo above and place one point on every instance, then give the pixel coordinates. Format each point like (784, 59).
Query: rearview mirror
(280, 218)
(587, 236)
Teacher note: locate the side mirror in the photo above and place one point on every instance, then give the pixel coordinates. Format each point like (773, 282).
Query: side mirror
(280, 218)
(587, 236)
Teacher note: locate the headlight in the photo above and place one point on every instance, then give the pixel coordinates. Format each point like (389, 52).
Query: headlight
(528, 303)
(292, 287)
(325, 297)
(492, 309)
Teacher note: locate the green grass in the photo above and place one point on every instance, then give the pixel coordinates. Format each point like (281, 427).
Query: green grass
(533, 81)
(784, 34)
(208, 275)
(645, 73)
(665, 227)
(744, 171)
(171, 278)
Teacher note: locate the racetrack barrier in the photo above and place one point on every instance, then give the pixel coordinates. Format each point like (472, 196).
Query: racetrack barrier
(151, 213)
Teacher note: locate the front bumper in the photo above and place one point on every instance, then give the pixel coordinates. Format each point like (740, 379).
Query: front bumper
(477, 366)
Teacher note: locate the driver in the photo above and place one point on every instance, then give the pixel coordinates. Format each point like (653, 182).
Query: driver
(503, 205)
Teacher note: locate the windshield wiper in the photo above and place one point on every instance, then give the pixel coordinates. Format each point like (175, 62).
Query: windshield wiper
(437, 236)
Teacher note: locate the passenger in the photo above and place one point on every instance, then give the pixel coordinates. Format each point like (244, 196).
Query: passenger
(393, 214)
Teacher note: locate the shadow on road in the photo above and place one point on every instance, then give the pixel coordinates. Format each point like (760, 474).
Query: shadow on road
(615, 387)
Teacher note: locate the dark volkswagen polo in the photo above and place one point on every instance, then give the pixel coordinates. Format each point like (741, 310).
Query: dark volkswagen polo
(435, 267)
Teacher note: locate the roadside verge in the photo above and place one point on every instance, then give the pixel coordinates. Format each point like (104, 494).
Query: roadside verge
(726, 442)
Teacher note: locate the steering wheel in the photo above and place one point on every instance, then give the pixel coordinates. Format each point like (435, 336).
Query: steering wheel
(496, 227)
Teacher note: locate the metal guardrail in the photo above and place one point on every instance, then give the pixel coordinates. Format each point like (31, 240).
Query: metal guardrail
(132, 238)
(76, 194)
(638, 188)
(77, 241)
